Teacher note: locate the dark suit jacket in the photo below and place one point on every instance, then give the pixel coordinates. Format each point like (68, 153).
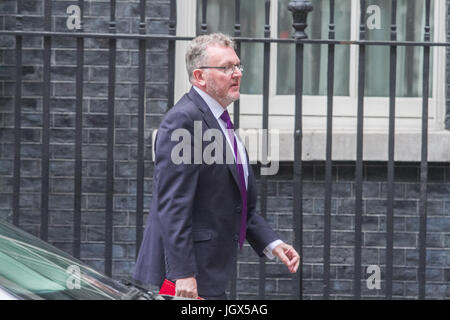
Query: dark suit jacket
(195, 215)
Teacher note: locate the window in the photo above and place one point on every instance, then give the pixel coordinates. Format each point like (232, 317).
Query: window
(410, 27)
(316, 56)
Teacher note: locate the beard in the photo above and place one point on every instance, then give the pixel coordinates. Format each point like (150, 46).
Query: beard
(223, 94)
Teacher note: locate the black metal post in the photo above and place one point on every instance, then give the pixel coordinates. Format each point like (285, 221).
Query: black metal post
(204, 25)
(300, 11)
(17, 118)
(237, 33)
(171, 67)
(110, 144)
(264, 151)
(46, 122)
(78, 139)
(141, 126)
(236, 112)
(328, 161)
(424, 160)
(359, 156)
(391, 156)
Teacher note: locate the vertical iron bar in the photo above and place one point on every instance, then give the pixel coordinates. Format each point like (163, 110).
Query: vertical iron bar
(110, 143)
(204, 25)
(265, 135)
(78, 138)
(171, 67)
(46, 122)
(236, 112)
(391, 157)
(140, 142)
(299, 9)
(17, 118)
(359, 156)
(328, 162)
(298, 185)
(424, 160)
(237, 33)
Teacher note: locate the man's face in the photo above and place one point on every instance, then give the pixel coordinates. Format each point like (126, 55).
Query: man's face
(222, 87)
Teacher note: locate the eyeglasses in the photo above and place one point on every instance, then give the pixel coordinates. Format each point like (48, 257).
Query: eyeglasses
(228, 70)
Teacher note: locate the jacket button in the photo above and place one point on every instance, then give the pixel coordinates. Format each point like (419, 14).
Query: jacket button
(238, 209)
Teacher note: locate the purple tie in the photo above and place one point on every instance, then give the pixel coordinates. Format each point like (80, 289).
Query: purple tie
(226, 117)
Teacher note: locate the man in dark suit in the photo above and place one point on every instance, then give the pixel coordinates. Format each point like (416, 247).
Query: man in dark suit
(203, 210)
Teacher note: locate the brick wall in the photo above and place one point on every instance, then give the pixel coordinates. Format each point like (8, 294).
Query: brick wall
(406, 231)
(62, 122)
(280, 187)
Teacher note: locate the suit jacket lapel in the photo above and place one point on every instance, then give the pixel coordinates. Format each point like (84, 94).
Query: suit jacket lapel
(212, 123)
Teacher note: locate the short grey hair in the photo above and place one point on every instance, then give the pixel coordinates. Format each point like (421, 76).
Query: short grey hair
(196, 52)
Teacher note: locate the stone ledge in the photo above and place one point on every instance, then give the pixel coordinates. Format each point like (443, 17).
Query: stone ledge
(375, 146)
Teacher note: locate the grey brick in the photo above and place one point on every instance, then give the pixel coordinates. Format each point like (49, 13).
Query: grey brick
(95, 202)
(31, 120)
(93, 185)
(438, 224)
(97, 136)
(403, 239)
(27, 200)
(399, 190)
(433, 290)
(93, 218)
(8, 7)
(123, 267)
(6, 167)
(62, 151)
(341, 286)
(94, 233)
(126, 136)
(61, 217)
(124, 234)
(60, 201)
(247, 285)
(437, 257)
(60, 233)
(125, 202)
(92, 250)
(30, 184)
(95, 168)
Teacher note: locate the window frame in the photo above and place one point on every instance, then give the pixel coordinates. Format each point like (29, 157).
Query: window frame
(282, 107)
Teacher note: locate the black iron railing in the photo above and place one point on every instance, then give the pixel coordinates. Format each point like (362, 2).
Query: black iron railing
(300, 11)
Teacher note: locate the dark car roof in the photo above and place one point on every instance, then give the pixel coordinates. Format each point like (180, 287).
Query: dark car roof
(32, 269)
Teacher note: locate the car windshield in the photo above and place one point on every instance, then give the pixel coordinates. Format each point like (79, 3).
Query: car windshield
(32, 269)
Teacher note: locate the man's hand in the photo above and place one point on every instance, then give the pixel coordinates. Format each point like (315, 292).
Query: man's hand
(288, 256)
(186, 288)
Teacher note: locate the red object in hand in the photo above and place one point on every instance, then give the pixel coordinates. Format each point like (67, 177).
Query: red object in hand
(168, 288)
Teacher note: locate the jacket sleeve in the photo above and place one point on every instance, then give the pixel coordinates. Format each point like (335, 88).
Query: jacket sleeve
(259, 233)
(176, 177)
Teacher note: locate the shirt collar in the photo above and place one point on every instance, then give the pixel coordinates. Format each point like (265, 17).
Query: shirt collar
(212, 103)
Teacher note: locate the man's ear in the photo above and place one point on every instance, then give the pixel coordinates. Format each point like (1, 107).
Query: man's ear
(199, 78)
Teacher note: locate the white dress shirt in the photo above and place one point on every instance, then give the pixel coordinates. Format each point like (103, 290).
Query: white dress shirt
(217, 110)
